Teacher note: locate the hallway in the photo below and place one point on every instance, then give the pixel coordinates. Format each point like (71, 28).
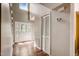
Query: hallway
(35, 29)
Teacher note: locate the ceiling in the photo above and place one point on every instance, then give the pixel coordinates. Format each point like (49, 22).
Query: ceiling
(51, 5)
(58, 6)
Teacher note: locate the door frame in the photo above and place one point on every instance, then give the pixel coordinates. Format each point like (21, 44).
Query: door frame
(42, 43)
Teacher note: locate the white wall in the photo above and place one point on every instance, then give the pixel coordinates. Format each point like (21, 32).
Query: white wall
(6, 33)
(60, 35)
(38, 10)
(76, 5)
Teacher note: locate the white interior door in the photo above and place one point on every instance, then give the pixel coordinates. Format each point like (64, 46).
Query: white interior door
(46, 33)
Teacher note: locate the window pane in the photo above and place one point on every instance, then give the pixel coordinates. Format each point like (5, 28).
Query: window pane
(23, 31)
(23, 6)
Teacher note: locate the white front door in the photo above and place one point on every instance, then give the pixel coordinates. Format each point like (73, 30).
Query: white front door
(45, 33)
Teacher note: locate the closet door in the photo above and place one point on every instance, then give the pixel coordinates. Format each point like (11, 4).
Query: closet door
(46, 33)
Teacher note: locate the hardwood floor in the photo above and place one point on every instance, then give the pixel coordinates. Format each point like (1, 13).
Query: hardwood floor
(27, 49)
(77, 52)
(39, 52)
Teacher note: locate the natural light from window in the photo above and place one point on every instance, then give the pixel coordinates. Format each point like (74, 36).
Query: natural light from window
(23, 6)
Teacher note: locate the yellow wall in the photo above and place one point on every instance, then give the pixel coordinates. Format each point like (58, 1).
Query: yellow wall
(77, 30)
